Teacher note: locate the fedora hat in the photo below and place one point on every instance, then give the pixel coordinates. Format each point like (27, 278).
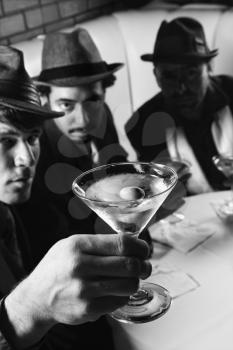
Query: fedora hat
(71, 59)
(180, 41)
(17, 89)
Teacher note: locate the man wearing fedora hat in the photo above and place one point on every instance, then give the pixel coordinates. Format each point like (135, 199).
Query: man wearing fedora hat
(73, 80)
(82, 277)
(191, 117)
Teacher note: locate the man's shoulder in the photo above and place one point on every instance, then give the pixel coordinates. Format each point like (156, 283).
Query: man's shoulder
(152, 105)
(223, 81)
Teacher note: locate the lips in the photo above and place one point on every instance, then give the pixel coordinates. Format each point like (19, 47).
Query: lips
(26, 176)
(77, 129)
(78, 133)
(23, 179)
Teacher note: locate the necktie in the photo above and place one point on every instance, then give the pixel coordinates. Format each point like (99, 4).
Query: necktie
(11, 264)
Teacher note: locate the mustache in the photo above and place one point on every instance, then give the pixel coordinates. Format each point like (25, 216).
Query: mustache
(23, 174)
(185, 95)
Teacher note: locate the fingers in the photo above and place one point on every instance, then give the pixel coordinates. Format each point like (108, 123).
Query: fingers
(95, 308)
(112, 244)
(90, 289)
(101, 306)
(90, 265)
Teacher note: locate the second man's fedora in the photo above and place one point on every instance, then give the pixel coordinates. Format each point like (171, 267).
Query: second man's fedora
(181, 40)
(71, 59)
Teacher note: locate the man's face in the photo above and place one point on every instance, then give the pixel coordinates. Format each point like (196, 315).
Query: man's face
(83, 107)
(183, 86)
(19, 153)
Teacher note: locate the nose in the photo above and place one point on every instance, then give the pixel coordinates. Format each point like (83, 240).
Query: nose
(24, 157)
(181, 87)
(79, 115)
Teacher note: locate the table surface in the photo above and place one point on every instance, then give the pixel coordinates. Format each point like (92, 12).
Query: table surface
(203, 318)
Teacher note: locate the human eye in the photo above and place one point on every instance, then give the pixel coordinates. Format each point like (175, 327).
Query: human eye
(33, 140)
(34, 137)
(66, 106)
(94, 98)
(7, 141)
(193, 72)
(168, 77)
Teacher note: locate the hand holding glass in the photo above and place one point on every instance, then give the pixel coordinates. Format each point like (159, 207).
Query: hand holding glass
(126, 196)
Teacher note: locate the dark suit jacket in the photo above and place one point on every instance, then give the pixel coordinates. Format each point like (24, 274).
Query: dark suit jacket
(146, 128)
(60, 337)
(53, 212)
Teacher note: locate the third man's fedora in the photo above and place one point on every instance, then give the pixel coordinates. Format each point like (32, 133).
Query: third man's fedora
(180, 41)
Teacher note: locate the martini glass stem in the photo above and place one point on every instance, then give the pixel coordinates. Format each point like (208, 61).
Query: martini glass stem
(142, 296)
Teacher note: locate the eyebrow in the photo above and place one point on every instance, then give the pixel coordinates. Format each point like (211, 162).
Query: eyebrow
(66, 100)
(8, 133)
(37, 131)
(92, 95)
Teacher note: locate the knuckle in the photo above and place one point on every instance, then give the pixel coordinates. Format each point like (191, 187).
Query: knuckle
(71, 244)
(92, 311)
(80, 242)
(104, 286)
(75, 265)
(122, 243)
(81, 290)
(132, 265)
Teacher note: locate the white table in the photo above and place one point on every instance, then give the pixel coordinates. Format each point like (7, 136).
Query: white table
(203, 318)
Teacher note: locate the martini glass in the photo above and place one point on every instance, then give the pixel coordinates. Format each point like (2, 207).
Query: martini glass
(224, 164)
(126, 196)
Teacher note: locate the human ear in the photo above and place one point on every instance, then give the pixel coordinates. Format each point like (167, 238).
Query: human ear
(157, 76)
(44, 99)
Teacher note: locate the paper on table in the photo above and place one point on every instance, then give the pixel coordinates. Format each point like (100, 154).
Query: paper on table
(177, 282)
(183, 236)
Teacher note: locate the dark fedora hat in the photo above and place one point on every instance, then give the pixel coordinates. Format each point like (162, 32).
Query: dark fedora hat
(70, 59)
(17, 89)
(180, 41)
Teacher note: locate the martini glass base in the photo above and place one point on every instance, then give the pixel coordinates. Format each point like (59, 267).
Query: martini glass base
(149, 303)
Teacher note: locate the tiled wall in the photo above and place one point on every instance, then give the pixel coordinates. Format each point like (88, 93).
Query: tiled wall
(23, 19)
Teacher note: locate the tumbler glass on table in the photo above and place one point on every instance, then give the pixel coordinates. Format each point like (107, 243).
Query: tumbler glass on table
(182, 168)
(224, 163)
(126, 196)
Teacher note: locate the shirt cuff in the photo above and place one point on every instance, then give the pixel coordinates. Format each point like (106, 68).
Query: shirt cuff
(5, 342)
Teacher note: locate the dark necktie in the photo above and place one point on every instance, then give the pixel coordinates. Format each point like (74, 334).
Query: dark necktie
(11, 259)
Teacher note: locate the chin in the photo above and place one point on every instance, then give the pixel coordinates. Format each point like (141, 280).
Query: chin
(17, 198)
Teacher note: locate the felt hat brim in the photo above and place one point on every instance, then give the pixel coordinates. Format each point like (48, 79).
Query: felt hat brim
(29, 108)
(78, 79)
(184, 58)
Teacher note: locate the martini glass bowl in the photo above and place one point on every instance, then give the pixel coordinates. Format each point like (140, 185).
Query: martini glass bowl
(126, 196)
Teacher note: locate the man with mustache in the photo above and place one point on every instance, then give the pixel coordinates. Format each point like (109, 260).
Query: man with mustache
(73, 80)
(52, 305)
(191, 117)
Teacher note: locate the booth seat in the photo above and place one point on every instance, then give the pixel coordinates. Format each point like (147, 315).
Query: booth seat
(124, 36)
